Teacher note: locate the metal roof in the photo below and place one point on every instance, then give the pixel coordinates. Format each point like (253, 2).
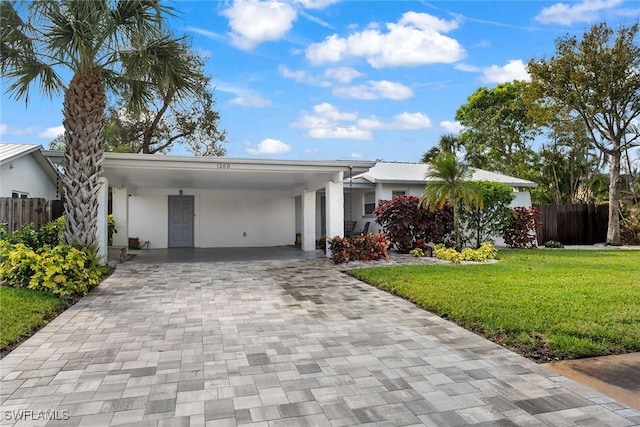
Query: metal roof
(396, 172)
(9, 152)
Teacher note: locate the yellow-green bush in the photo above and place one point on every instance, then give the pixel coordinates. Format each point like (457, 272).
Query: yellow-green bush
(62, 269)
(485, 252)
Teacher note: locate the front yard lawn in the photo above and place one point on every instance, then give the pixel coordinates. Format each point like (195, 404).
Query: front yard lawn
(23, 311)
(545, 304)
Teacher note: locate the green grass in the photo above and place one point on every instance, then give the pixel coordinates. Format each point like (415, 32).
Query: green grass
(545, 304)
(22, 312)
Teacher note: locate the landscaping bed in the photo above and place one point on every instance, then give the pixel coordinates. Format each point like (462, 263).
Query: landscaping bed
(546, 305)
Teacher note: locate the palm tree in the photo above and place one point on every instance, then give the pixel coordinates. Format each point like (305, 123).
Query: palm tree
(447, 143)
(103, 44)
(447, 181)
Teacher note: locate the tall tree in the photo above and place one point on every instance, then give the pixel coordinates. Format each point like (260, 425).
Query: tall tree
(103, 44)
(569, 162)
(170, 119)
(499, 129)
(597, 78)
(447, 143)
(448, 181)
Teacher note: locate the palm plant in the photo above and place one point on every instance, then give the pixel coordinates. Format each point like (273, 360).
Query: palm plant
(447, 143)
(448, 181)
(103, 44)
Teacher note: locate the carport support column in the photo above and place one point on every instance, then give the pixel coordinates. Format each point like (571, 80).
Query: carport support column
(308, 220)
(334, 209)
(120, 201)
(101, 222)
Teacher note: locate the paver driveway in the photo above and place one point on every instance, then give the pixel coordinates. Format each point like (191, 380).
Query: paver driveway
(279, 343)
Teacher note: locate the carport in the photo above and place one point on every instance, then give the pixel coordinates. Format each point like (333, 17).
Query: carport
(220, 202)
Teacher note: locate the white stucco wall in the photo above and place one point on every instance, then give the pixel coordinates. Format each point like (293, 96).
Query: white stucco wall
(221, 217)
(24, 174)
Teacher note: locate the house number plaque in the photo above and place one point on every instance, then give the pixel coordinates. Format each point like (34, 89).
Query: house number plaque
(224, 166)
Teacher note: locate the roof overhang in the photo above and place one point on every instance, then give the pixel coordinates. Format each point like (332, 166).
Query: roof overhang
(137, 171)
(38, 155)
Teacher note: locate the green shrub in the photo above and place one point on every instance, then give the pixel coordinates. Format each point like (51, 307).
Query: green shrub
(48, 235)
(417, 252)
(553, 244)
(61, 269)
(365, 247)
(485, 252)
(17, 263)
(51, 233)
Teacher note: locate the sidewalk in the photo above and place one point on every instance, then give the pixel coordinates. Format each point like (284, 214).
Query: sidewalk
(616, 376)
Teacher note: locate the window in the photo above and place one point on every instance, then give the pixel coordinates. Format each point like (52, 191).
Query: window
(396, 193)
(369, 203)
(19, 194)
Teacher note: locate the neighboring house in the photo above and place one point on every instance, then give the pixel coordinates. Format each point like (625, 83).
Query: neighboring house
(387, 180)
(26, 173)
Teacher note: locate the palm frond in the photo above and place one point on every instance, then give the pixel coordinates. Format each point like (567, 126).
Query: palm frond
(30, 71)
(161, 64)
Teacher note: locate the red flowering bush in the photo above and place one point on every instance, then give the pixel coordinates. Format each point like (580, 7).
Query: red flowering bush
(365, 247)
(520, 232)
(409, 226)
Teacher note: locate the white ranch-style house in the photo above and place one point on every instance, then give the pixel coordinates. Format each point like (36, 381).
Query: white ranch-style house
(386, 180)
(217, 202)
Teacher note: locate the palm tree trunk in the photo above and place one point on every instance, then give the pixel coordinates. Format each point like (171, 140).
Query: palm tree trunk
(84, 121)
(456, 227)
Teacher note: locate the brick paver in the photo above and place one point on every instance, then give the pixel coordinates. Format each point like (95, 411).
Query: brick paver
(275, 343)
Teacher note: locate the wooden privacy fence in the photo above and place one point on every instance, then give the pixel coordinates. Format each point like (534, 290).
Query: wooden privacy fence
(18, 212)
(582, 224)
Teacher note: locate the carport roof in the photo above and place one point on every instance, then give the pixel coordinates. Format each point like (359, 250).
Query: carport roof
(164, 171)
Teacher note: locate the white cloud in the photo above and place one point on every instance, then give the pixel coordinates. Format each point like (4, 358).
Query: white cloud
(340, 132)
(416, 39)
(404, 121)
(311, 150)
(269, 146)
(252, 101)
(301, 76)
(567, 14)
(330, 111)
(244, 97)
(468, 68)
(316, 4)
(253, 22)
(356, 155)
(382, 89)
(327, 121)
(206, 33)
(3, 128)
(514, 69)
(52, 132)
(315, 19)
(410, 121)
(452, 127)
(342, 74)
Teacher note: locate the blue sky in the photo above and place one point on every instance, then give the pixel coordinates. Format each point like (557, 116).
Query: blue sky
(329, 79)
